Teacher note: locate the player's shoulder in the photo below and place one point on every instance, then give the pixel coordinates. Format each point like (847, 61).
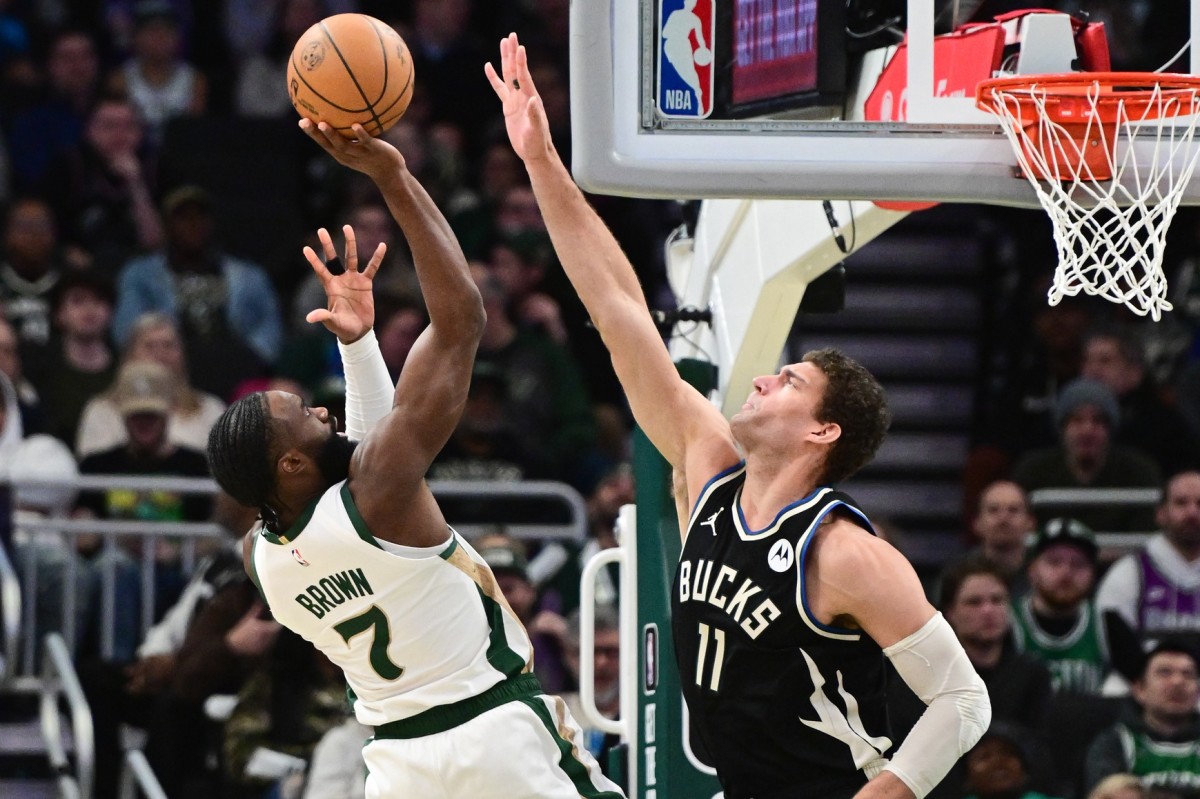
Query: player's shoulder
(844, 547)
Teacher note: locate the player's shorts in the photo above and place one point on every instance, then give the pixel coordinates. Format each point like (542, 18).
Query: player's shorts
(526, 746)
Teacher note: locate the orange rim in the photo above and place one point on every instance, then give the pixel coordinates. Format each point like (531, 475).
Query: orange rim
(1065, 93)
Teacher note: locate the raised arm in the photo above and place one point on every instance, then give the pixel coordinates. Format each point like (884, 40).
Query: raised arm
(392, 460)
(350, 315)
(683, 425)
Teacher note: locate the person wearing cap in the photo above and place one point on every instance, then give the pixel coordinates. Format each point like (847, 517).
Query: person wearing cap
(1086, 414)
(144, 396)
(1156, 589)
(1158, 736)
(226, 307)
(1059, 624)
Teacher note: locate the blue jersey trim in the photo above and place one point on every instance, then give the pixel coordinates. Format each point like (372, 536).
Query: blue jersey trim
(804, 557)
(782, 511)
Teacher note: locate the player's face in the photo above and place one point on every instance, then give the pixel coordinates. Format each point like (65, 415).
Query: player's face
(1003, 519)
(1179, 514)
(312, 431)
(781, 406)
(1062, 576)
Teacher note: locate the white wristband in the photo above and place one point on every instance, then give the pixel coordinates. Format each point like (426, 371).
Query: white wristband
(369, 389)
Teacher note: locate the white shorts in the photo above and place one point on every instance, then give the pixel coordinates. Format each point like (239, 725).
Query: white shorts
(528, 748)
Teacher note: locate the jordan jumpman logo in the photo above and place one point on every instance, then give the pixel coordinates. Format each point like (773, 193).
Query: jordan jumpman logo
(711, 521)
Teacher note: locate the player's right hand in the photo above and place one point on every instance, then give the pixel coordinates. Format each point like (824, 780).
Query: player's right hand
(524, 116)
(368, 154)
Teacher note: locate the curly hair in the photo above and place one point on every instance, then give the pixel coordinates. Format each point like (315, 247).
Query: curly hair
(239, 453)
(855, 401)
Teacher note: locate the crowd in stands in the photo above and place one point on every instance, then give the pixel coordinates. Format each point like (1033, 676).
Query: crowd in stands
(156, 197)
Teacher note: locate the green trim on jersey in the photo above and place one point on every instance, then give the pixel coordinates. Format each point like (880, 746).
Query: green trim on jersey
(254, 572)
(1078, 660)
(449, 550)
(499, 654)
(297, 527)
(567, 761)
(447, 717)
(360, 526)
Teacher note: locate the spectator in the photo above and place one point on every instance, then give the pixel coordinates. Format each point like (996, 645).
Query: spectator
(286, 706)
(78, 362)
(1157, 590)
(1059, 624)
(485, 444)
(558, 566)
(1159, 737)
(42, 457)
(157, 78)
(1002, 523)
(1116, 357)
(103, 192)
(261, 88)
(1001, 765)
(54, 125)
(607, 676)
(1086, 415)
(26, 406)
(547, 402)
(226, 307)
(975, 600)
(207, 643)
(154, 338)
(33, 263)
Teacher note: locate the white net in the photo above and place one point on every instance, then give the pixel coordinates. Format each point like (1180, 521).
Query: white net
(1110, 231)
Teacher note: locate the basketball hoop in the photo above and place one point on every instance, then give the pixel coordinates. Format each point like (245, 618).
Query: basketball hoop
(1074, 136)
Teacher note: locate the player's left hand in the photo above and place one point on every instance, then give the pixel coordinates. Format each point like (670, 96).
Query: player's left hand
(351, 309)
(524, 117)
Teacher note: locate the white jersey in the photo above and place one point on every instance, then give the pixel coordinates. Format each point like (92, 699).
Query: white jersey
(411, 628)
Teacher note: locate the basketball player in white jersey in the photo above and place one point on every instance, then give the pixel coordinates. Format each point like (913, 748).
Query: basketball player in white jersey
(785, 603)
(353, 553)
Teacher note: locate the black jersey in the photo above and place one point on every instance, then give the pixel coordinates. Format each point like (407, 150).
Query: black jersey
(784, 705)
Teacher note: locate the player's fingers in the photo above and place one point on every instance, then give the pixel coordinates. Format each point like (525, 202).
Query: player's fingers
(494, 79)
(326, 243)
(317, 264)
(522, 75)
(376, 260)
(351, 249)
(360, 134)
(319, 315)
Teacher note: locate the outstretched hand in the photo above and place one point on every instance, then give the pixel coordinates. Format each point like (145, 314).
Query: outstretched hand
(368, 154)
(524, 116)
(351, 310)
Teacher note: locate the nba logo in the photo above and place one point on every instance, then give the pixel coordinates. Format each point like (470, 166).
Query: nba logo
(685, 58)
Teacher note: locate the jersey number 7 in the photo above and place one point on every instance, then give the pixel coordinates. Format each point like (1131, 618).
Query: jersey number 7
(373, 617)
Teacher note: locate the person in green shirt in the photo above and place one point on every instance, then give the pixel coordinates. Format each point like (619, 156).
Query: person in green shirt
(1158, 739)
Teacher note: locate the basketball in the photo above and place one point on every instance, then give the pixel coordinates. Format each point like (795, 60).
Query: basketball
(703, 56)
(351, 68)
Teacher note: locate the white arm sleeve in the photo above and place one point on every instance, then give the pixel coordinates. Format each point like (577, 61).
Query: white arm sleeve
(933, 664)
(369, 389)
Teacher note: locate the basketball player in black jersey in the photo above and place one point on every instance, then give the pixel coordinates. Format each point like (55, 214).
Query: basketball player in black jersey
(785, 603)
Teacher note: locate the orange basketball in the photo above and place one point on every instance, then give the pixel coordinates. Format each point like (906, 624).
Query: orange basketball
(351, 68)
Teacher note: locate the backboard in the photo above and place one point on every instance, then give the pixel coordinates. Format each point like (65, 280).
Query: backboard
(634, 134)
